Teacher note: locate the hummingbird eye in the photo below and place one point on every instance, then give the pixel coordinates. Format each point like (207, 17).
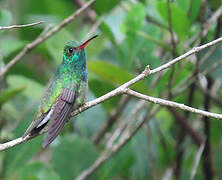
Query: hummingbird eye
(71, 50)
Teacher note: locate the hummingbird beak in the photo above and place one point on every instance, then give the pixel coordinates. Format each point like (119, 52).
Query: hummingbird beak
(86, 42)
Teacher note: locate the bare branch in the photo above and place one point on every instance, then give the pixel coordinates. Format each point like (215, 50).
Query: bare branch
(14, 142)
(90, 13)
(42, 38)
(19, 26)
(113, 93)
(124, 88)
(172, 104)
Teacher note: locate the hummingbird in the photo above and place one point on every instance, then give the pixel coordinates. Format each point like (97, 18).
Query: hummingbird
(66, 92)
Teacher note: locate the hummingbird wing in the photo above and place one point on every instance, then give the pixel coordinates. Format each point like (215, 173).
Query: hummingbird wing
(61, 112)
(46, 107)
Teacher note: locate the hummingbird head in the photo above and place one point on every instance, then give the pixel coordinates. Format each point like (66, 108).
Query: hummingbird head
(74, 52)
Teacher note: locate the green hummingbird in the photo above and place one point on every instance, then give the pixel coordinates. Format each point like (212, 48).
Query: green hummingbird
(66, 91)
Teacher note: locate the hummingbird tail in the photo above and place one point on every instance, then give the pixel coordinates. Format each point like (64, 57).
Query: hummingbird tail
(37, 125)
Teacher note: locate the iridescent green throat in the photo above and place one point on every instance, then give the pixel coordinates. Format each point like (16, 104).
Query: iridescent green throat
(75, 63)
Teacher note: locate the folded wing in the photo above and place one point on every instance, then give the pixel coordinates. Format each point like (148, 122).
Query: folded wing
(61, 113)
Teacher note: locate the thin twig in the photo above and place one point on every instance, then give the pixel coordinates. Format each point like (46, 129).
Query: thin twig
(211, 20)
(156, 23)
(205, 27)
(208, 54)
(183, 120)
(41, 39)
(168, 174)
(184, 84)
(19, 26)
(213, 67)
(151, 38)
(148, 133)
(212, 96)
(196, 161)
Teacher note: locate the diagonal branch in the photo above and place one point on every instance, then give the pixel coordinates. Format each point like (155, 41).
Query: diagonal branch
(172, 104)
(124, 89)
(42, 38)
(192, 51)
(183, 120)
(208, 24)
(19, 26)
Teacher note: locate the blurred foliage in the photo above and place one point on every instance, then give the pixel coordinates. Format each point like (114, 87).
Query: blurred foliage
(133, 34)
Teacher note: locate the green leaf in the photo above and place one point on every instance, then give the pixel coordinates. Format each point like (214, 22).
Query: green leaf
(114, 21)
(115, 75)
(217, 154)
(8, 94)
(133, 22)
(149, 37)
(58, 8)
(32, 88)
(213, 59)
(56, 49)
(19, 155)
(195, 8)
(37, 170)
(141, 39)
(214, 4)
(180, 22)
(9, 46)
(83, 122)
(5, 17)
(72, 156)
(142, 165)
(104, 6)
(108, 32)
(119, 165)
(184, 4)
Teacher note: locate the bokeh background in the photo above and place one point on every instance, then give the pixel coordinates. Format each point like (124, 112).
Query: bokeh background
(132, 34)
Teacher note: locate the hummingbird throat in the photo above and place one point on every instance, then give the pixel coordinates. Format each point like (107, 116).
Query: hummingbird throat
(71, 59)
